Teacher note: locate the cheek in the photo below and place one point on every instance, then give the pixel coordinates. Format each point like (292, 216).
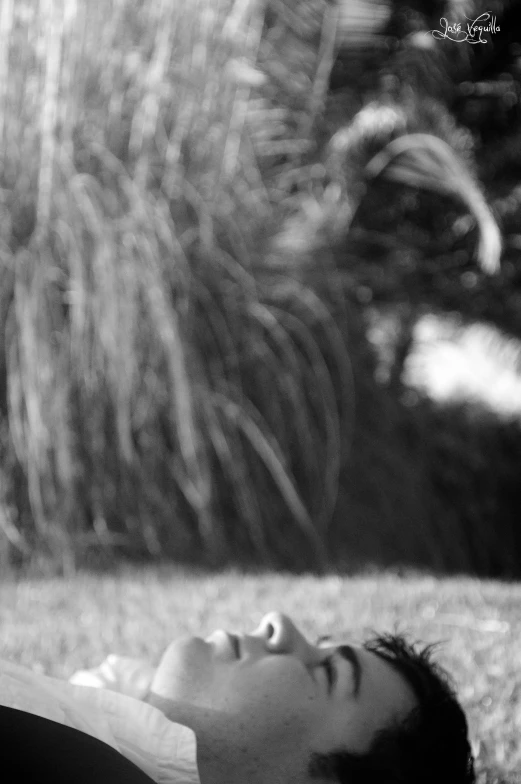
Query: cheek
(275, 698)
(263, 718)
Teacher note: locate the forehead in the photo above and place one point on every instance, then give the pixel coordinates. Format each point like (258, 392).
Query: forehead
(387, 677)
(385, 698)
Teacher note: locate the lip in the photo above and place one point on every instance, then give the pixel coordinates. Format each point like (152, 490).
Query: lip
(225, 644)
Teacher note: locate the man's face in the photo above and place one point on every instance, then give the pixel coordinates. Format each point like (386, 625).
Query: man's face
(260, 704)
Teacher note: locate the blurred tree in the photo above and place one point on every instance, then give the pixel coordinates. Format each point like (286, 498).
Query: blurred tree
(407, 246)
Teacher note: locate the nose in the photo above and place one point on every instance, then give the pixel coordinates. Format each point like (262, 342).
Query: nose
(280, 635)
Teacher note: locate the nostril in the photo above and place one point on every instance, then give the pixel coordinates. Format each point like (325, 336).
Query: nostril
(323, 638)
(270, 629)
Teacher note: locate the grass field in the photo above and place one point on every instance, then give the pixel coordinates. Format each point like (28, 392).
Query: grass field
(57, 626)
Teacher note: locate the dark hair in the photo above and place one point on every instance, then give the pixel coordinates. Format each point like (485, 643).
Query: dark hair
(430, 746)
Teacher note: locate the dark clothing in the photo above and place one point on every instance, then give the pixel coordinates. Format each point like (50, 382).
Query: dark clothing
(33, 749)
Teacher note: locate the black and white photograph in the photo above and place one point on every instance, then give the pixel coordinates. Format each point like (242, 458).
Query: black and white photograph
(260, 391)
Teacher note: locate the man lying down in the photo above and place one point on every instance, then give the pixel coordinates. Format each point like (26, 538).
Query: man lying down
(268, 707)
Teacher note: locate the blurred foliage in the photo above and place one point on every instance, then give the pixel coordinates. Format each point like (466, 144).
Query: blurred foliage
(169, 388)
(409, 252)
(417, 244)
(198, 217)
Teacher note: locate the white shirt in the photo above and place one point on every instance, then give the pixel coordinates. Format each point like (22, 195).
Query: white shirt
(106, 703)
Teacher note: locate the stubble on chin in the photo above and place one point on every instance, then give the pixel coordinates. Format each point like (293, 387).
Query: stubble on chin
(227, 758)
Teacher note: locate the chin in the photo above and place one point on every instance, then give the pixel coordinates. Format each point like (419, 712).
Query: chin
(183, 669)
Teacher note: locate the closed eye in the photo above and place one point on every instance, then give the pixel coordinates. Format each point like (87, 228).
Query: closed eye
(328, 665)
